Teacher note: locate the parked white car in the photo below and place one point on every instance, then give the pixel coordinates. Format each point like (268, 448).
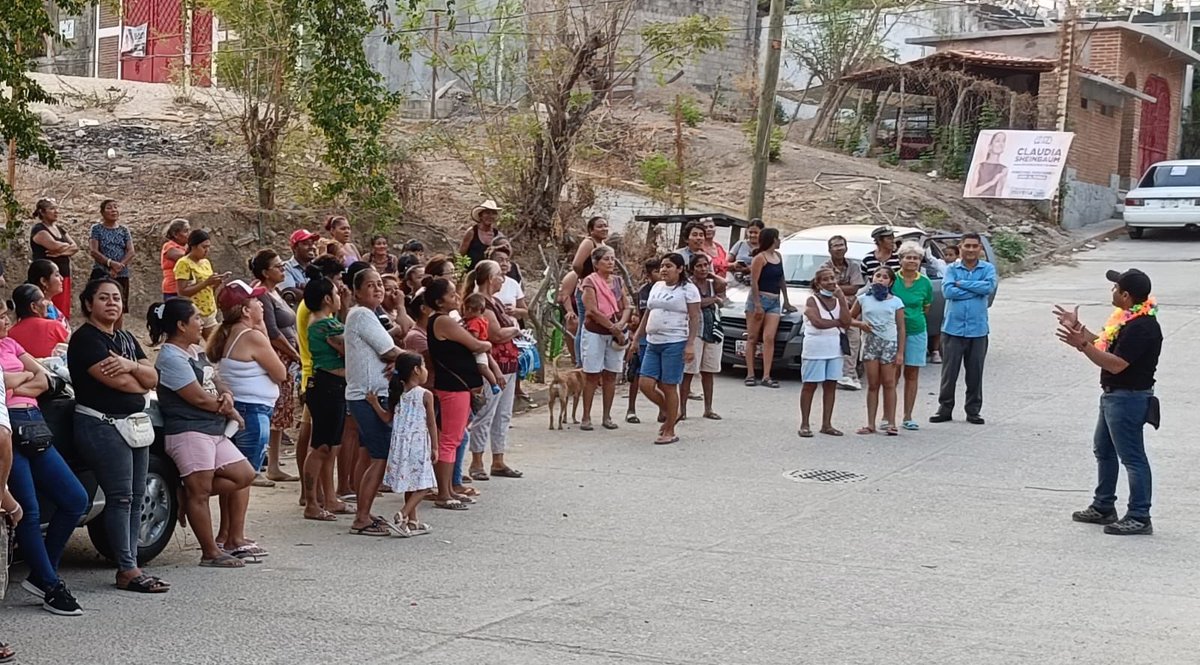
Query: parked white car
(1167, 197)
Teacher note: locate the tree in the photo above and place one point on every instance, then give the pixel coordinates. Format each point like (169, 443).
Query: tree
(264, 71)
(577, 52)
(24, 26)
(840, 37)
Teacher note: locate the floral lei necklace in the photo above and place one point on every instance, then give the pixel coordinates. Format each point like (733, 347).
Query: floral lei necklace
(1120, 317)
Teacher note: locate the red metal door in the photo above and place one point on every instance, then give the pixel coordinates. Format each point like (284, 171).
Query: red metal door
(163, 60)
(1155, 133)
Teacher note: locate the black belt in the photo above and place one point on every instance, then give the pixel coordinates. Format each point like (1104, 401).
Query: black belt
(1113, 389)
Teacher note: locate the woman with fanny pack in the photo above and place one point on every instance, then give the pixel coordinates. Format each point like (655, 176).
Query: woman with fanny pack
(710, 340)
(111, 376)
(490, 424)
(605, 316)
(37, 466)
(196, 411)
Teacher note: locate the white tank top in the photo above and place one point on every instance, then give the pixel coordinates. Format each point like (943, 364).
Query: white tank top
(247, 380)
(822, 343)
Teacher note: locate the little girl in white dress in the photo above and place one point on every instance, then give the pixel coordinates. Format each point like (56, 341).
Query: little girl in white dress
(410, 463)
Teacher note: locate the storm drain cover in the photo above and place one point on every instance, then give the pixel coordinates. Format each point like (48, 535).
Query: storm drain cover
(823, 476)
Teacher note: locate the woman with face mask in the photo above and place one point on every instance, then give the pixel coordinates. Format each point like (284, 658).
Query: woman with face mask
(826, 317)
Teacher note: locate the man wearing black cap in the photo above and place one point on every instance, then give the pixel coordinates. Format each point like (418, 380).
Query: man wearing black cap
(883, 255)
(1126, 351)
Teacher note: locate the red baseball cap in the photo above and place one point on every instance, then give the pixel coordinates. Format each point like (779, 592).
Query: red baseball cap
(301, 235)
(236, 293)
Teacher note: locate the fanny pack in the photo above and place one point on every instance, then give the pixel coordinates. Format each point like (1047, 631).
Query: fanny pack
(136, 428)
(33, 438)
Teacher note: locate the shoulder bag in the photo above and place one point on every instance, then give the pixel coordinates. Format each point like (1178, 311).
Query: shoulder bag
(478, 400)
(136, 428)
(843, 338)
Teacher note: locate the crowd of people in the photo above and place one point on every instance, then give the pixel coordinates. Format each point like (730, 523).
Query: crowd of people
(395, 366)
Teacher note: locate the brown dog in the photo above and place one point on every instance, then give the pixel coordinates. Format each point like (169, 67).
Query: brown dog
(567, 383)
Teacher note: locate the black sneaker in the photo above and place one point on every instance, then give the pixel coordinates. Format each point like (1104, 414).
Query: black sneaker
(1130, 526)
(33, 589)
(940, 418)
(1093, 516)
(60, 601)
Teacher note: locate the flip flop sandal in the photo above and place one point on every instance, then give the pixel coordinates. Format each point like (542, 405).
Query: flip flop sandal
(770, 383)
(479, 474)
(665, 442)
(223, 561)
(467, 499)
(832, 431)
(145, 584)
(452, 504)
(632, 419)
(712, 415)
(910, 425)
(586, 427)
(399, 527)
(865, 430)
(805, 433)
(249, 550)
(375, 528)
(419, 528)
(468, 491)
(262, 482)
(323, 516)
(348, 510)
(750, 382)
(466, 480)
(891, 431)
(608, 424)
(507, 472)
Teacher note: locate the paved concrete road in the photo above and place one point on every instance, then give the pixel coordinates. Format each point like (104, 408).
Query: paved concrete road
(956, 547)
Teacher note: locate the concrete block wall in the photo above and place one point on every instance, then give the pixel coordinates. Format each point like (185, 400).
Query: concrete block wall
(739, 58)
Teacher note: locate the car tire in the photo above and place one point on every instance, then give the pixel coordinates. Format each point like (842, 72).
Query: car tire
(159, 510)
(1135, 232)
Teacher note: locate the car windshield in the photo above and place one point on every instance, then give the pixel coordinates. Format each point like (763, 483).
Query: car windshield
(800, 268)
(1172, 176)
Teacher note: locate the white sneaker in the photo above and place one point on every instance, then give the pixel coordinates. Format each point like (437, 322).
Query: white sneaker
(936, 358)
(849, 383)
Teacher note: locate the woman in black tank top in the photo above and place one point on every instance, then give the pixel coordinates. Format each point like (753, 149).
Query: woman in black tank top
(455, 377)
(767, 302)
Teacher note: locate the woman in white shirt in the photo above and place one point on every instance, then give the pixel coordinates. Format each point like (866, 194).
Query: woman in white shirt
(670, 327)
(369, 351)
(826, 317)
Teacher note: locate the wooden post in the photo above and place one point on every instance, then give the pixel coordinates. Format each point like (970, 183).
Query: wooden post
(900, 120)
(433, 85)
(680, 172)
(1066, 58)
(12, 142)
(766, 112)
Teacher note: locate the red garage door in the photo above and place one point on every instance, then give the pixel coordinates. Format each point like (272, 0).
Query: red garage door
(161, 58)
(1155, 134)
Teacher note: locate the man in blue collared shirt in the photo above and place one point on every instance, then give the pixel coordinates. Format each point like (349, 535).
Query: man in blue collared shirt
(967, 286)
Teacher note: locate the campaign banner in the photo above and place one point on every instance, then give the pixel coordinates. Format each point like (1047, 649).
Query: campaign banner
(1017, 164)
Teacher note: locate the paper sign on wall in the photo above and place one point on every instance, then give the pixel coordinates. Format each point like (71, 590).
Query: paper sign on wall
(1017, 164)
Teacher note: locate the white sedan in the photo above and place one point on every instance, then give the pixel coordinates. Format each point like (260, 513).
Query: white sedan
(1166, 197)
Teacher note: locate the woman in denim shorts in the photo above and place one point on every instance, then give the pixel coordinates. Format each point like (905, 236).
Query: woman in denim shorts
(767, 302)
(670, 327)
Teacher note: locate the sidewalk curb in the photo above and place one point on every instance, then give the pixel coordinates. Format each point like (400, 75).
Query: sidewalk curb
(1031, 262)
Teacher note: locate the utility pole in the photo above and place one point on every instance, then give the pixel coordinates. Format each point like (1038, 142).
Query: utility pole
(766, 112)
(12, 142)
(680, 173)
(433, 86)
(1065, 67)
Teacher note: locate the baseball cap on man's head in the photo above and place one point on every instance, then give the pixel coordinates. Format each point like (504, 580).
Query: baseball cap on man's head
(1133, 281)
(301, 235)
(237, 292)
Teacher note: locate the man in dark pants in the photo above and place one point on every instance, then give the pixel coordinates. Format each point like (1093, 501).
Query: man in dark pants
(1126, 351)
(967, 286)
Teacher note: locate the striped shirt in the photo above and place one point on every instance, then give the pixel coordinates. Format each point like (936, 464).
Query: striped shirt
(870, 264)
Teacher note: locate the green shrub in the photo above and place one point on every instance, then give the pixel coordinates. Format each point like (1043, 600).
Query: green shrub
(775, 143)
(691, 113)
(657, 171)
(1009, 246)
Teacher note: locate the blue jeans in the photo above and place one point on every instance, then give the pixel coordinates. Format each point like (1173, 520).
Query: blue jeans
(1119, 440)
(456, 479)
(121, 472)
(253, 439)
(45, 471)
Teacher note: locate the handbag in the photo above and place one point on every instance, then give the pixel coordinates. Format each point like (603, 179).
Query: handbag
(33, 438)
(843, 338)
(478, 399)
(710, 321)
(136, 428)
